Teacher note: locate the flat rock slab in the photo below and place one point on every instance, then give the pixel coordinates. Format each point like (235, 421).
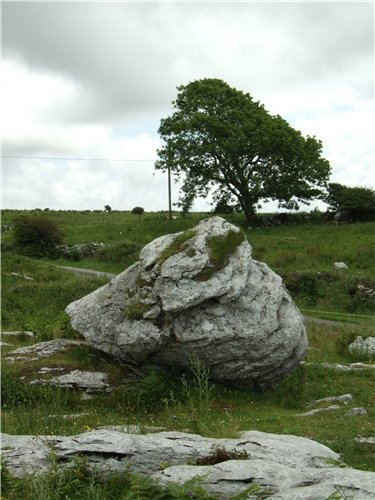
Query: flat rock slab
(286, 467)
(78, 379)
(18, 333)
(42, 350)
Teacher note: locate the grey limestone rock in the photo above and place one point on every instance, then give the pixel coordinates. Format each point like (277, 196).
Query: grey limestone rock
(340, 265)
(344, 398)
(282, 466)
(181, 301)
(354, 412)
(42, 350)
(364, 346)
(77, 379)
(319, 410)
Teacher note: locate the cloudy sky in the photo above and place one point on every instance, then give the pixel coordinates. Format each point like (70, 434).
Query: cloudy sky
(91, 80)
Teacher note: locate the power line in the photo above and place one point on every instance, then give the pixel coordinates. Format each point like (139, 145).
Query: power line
(73, 159)
(148, 185)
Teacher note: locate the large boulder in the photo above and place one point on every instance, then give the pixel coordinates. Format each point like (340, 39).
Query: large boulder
(198, 294)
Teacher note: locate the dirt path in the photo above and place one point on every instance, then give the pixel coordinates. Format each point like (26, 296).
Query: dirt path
(92, 272)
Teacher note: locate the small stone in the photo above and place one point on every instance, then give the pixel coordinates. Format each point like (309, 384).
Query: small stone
(356, 411)
(365, 440)
(340, 265)
(70, 416)
(364, 346)
(319, 410)
(345, 398)
(86, 396)
(361, 366)
(24, 276)
(19, 332)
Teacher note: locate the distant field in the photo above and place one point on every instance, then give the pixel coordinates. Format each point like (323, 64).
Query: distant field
(303, 254)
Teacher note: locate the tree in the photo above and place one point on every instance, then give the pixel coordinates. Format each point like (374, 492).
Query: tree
(107, 208)
(138, 211)
(219, 139)
(352, 203)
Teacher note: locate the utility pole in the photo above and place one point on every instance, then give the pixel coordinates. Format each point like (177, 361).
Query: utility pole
(169, 193)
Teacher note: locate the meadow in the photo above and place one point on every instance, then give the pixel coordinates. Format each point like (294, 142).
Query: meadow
(302, 253)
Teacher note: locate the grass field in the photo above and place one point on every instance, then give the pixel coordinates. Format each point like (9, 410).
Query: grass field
(302, 254)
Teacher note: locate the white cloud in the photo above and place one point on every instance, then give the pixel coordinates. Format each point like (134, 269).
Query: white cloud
(94, 79)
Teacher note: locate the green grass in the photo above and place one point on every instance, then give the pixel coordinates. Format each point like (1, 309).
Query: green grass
(38, 304)
(154, 397)
(78, 481)
(220, 248)
(177, 245)
(303, 255)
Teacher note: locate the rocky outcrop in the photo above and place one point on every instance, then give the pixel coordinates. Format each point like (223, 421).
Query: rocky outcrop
(281, 466)
(198, 294)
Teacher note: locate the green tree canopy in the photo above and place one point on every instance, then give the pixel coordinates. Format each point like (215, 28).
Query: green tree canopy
(138, 211)
(220, 140)
(355, 203)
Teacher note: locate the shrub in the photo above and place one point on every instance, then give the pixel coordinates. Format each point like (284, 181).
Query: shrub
(37, 236)
(352, 204)
(124, 251)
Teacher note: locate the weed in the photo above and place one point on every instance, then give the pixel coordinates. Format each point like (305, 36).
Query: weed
(337, 495)
(220, 248)
(154, 389)
(255, 490)
(177, 245)
(221, 454)
(135, 309)
(335, 463)
(199, 391)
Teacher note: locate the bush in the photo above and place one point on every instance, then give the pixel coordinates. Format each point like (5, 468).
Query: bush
(125, 251)
(351, 204)
(37, 236)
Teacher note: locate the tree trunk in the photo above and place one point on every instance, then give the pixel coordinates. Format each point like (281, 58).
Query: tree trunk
(247, 205)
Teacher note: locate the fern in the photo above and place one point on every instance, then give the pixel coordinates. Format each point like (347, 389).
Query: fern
(143, 488)
(190, 489)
